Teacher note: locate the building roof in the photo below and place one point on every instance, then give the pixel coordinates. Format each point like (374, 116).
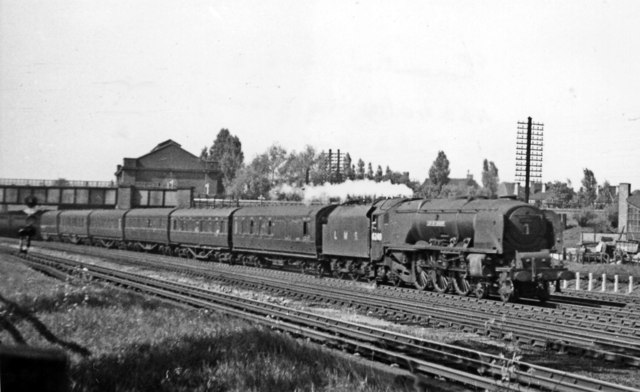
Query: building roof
(167, 155)
(166, 143)
(468, 181)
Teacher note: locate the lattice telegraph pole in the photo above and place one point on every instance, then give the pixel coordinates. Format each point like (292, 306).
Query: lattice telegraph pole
(335, 165)
(529, 145)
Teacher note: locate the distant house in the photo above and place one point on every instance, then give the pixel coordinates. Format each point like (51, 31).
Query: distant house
(457, 182)
(169, 166)
(464, 182)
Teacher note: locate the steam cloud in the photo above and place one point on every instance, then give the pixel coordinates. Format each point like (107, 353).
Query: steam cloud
(352, 189)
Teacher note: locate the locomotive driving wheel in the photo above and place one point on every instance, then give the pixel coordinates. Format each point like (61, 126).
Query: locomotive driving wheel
(461, 283)
(440, 282)
(422, 278)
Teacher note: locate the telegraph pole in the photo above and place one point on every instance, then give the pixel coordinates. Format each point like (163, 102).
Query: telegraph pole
(529, 145)
(335, 166)
(528, 175)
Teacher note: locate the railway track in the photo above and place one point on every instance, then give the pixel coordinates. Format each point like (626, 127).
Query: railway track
(611, 299)
(422, 358)
(574, 331)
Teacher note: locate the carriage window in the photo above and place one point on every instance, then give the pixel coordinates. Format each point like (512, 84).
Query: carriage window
(269, 227)
(251, 227)
(236, 228)
(148, 222)
(305, 228)
(175, 225)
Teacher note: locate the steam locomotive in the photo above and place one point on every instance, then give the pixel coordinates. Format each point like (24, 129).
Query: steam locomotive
(464, 246)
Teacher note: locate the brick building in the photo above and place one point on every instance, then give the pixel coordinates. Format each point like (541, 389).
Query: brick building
(169, 166)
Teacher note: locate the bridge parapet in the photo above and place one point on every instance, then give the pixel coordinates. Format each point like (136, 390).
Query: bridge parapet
(89, 195)
(55, 183)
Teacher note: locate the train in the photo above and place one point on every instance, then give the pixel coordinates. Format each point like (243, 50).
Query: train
(471, 246)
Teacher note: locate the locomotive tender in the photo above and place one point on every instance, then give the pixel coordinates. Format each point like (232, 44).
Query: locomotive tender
(467, 246)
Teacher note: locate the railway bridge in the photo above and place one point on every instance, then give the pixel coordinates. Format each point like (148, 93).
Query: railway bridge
(65, 194)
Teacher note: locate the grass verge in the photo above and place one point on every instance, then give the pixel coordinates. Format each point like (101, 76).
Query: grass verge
(141, 344)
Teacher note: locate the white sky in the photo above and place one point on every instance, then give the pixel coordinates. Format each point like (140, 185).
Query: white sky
(85, 83)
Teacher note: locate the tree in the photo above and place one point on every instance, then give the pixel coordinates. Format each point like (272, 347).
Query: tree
(360, 170)
(611, 212)
(428, 190)
(298, 168)
(562, 194)
(378, 176)
(606, 194)
(369, 174)
(227, 151)
(490, 178)
(349, 172)
(264, 171)
(275, 160)
(588, 191)
(439, 171)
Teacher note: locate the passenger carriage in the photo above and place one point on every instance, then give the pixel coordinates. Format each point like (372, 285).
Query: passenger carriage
(281, 235)
(202, 233)
(73, 226)
(106, 227)
(148, 229)
(49, 225)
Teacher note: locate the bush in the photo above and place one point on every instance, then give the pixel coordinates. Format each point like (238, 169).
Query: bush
(587, 218)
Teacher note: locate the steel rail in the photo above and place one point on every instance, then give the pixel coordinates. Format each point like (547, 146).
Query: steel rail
(524, 332)
(412, 356)
(608, 317)
(599, 296)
